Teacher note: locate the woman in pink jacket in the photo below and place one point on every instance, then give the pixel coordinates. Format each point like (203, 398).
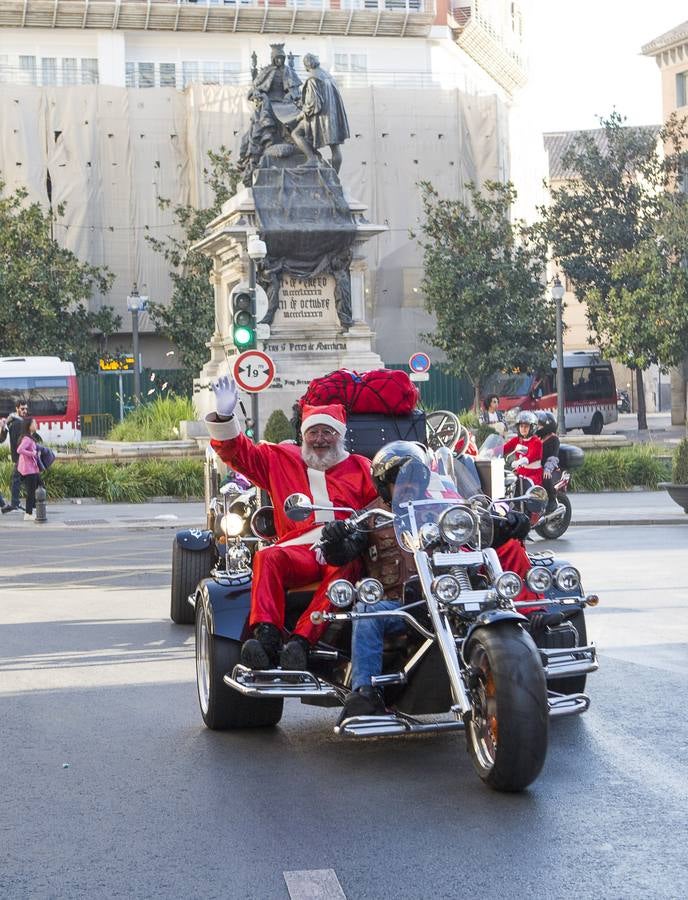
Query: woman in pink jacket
(27, 464)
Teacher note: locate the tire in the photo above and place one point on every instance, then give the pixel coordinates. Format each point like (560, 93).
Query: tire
(596, 425)
(554, 529)
(188, 568)
(558, 640)
(507, 733)
(222, 707)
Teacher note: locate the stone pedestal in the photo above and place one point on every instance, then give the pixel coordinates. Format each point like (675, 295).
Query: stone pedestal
(305, 339)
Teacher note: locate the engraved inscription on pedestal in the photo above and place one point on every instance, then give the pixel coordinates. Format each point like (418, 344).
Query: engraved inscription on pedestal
(306, 303)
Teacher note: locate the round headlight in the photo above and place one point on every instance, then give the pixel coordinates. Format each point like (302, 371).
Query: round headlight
(341, 593)
(446, 588)
(429, 534)
(370, 590)
(567, 578)
(509, 585)
(539, 579)
(458, 525)
(232, 524)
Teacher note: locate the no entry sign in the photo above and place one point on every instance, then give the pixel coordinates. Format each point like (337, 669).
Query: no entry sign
(253, 371)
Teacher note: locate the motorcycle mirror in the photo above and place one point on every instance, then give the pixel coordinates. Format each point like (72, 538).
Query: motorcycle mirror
(298, 507)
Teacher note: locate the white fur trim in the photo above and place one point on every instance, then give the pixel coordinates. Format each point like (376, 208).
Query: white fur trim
(318, 485)
(308, 537)
(323, 419)
(222, 431)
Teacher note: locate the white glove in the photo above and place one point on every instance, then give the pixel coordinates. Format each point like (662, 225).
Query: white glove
(226, 396)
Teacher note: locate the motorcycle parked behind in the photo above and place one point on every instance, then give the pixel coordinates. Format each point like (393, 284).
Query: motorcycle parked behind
(550, 525)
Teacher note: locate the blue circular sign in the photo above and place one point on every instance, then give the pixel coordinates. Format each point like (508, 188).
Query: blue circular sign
(419, 362)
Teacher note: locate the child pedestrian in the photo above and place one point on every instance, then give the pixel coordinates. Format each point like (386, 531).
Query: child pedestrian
(27, 451)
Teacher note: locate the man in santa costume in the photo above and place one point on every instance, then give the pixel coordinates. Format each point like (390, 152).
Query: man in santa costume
(329, 475)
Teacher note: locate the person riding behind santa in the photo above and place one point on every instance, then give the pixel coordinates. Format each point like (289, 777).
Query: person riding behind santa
(527, 446)
(326, 473)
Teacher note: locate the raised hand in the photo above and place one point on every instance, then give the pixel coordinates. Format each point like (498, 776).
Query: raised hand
(226, 396)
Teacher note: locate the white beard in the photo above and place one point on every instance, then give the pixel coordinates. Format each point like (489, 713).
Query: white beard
(334, 455)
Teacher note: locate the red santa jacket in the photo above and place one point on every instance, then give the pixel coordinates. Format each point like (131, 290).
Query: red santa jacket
(528, 456)
(281, 470)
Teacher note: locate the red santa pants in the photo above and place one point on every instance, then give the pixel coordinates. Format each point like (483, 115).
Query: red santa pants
(514, 558)
(276, 569)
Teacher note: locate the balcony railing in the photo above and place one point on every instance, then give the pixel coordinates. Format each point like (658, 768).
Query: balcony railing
(377, 18)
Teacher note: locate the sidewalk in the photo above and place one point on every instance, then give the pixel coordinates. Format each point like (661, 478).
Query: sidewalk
(631, 508)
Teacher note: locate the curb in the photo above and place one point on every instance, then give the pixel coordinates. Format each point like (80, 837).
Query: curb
(608, 522)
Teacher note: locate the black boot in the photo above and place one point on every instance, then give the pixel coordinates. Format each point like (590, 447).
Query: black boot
(263, 649)
(294, 656)
(364, 701)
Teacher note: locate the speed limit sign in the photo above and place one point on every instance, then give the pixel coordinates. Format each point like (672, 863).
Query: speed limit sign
(253, 371)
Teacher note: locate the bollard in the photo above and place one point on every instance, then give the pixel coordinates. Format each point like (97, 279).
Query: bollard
(41, 511)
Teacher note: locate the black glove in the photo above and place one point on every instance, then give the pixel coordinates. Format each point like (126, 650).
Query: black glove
(334, 531)
(512, 525)
(343, 550)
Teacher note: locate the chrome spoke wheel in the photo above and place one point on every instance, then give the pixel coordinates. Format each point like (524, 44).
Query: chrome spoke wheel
(443, 429)
(203, 660)
(484, 723)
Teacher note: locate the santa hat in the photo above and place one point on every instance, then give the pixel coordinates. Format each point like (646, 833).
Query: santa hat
(332, 415)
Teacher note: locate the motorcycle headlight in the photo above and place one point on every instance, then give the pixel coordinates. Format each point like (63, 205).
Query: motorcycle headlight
(341, 593)
(232, 524)
(370, 590)
(446, 588)
(429, 534)
(539, 579)
(509, 585)
(458, 525)
(567, 578)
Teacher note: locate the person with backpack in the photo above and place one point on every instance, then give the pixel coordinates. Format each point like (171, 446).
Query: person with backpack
(12, 428)
(551, 472)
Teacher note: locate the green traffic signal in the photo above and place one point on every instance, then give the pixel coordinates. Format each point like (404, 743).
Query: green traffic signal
(243, 321)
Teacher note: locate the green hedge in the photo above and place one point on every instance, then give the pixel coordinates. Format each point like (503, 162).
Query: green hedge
(619, 470)
(129, 482)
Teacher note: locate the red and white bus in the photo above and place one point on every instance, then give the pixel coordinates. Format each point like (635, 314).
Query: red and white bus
(589, 391)
(50, 388)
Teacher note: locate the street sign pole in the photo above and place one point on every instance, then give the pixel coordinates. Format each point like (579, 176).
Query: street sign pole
(252, 291)
(121, 397)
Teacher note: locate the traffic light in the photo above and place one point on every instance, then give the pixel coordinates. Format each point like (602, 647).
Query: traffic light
(243, 320)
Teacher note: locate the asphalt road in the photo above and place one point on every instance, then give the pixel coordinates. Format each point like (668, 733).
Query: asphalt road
(112, 787)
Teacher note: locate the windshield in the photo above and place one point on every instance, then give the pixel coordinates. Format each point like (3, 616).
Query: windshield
(420, 499)
(492, 447)
(508, 384)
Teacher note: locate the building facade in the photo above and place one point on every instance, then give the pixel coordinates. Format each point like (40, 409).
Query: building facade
(119, 102)
(670, 51)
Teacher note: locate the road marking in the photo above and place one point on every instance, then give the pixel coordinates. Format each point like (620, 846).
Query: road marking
(314, 884)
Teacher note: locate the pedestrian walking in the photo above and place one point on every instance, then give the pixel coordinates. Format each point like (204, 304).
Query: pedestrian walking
(27, 465)
(12, 427)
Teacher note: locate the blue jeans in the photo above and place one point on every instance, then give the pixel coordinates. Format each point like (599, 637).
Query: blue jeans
(368, 639)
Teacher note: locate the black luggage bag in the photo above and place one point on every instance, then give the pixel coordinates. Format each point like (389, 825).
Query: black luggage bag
(366, 433)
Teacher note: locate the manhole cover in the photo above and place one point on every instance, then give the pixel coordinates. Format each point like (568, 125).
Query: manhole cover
(86, 521)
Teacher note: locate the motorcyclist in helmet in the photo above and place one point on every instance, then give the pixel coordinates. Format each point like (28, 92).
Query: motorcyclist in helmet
(547, 432)
(384, 559)
(527, 447)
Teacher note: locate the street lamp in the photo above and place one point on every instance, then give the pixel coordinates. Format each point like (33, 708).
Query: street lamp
(256, 250)
(136, 304)
(558, 296)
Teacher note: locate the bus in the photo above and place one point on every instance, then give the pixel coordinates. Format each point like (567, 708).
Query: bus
(589, 391)
(49, 386)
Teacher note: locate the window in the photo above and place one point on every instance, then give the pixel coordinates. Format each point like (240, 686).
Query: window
(682, 89)
(351, 62)
(89, 71)
(146, 73)
(230, 72)
(48, 70)
(211, 73)
(46, 396)
(4, 68)
(130, 74)
(168, 76)
(189, 73)
(69, 70)
(27, 68)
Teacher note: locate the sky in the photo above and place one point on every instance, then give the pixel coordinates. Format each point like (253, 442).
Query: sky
(585, 59)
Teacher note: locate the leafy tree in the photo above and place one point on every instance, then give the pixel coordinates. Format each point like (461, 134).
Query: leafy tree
(278, 428)
(603, 225)
(484, 282)
(45, 289)
(189, 319)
